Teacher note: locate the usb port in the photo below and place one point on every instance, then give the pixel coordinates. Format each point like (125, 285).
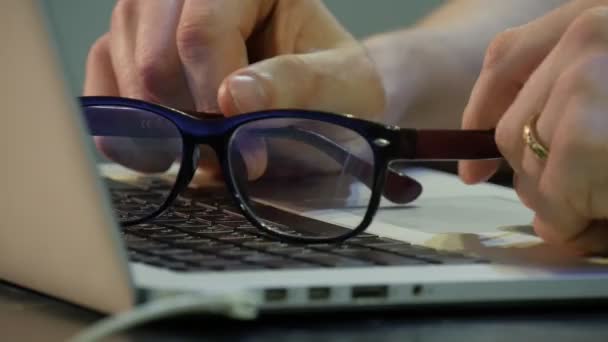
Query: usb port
(370, 292)
(275, 295)
(319, 293)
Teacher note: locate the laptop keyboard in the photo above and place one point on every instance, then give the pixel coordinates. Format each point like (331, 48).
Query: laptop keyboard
(205, 232)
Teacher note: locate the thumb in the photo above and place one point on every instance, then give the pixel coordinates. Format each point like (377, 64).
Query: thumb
(341, 80)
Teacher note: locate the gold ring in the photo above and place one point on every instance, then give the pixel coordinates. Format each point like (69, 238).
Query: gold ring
(531, 139)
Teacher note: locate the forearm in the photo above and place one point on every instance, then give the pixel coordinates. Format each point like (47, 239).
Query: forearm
(441, 56)
(469, 25)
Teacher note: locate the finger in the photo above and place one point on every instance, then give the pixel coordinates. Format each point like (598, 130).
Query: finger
(100, 79)
(527, 190)
(144, 61)
(593, 240)
(572, 185)
(532, 167)
(492, 95)
(123, 29)
(510, 60)
(145, 157)
(144, 53)
(157, 61)
(532, 99)
(339, 80)
(211, 44)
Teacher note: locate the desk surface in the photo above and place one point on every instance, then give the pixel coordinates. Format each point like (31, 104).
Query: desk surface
(26, 316)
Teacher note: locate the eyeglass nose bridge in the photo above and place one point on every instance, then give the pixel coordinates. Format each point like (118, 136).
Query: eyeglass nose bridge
(192, 145)
(213, 135)
(192, 156)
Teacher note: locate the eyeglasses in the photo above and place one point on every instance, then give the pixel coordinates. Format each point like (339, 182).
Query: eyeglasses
(300, 176)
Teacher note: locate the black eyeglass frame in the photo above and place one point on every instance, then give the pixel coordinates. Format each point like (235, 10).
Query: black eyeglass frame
(388, 143)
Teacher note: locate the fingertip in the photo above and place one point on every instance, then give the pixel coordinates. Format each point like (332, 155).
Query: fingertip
(255, 156)
(555, 235)
(226, 101)
(590, 239)
(100, 79)
(465, 174)
(243, 92)
(544, 231)
(474, 172)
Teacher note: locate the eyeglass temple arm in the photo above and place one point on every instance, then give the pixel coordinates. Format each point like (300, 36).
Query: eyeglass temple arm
(399, 187)
(447, 145)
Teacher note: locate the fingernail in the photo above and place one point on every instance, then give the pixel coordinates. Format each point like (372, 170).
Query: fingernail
(247, 93)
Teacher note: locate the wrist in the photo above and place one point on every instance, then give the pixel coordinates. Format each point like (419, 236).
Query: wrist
(419, 68)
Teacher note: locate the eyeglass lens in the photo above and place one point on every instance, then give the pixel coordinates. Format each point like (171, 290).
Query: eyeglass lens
(139, 154)
(293, 171)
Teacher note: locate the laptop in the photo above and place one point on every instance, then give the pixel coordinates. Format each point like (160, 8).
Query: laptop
(455, 245)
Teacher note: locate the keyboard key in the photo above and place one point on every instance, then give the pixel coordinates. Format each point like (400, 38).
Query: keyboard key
(194, 258)
(375, 241)
(222, 264)
(237, 238)
(136, 256)
(243, 267)
(189, 209)
(330, 260)
(191, 242)
(175, 265)
(277, 262)
(171, 251)
(147, 246)
(238, 253)
(377, 257)
(249, 229)
(215, 248)
(168, 237)
(263, 244)
(429, 254)
(141, 230)
(284, 263)
(213, 234)
(209, 215)
(288, 250)
(133, 239)
(150, 197)
(130, 207)
(235, 223)
(191, 227)
(170, 220)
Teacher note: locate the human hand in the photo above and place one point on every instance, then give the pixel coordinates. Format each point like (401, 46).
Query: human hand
(555, 68)
(233, 56)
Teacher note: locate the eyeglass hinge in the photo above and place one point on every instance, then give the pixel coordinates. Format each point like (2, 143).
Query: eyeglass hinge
(380, 142)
